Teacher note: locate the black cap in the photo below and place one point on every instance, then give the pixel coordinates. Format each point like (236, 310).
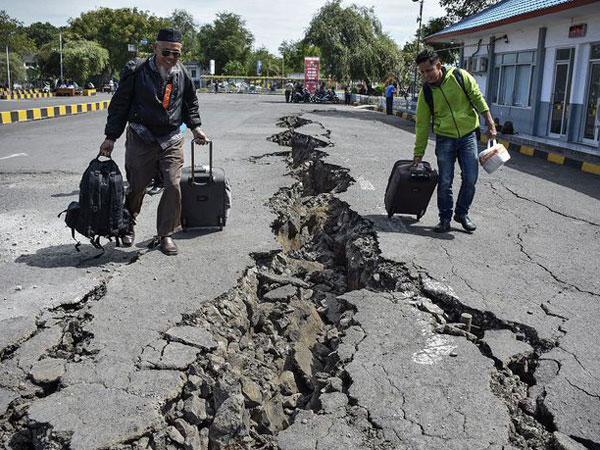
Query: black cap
(169, 35)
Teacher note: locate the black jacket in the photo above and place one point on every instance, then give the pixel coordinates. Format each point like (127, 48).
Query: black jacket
(139, 99)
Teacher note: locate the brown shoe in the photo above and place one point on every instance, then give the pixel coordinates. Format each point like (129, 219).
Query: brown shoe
(128, 238)
(168, 246)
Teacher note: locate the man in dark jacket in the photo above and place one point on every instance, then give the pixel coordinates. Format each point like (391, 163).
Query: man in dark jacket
(155, 96)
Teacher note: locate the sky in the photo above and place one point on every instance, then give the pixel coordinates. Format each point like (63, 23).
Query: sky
(271, 22)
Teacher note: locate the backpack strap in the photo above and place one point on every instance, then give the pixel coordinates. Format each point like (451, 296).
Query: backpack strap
(428, 94)
(461, 82)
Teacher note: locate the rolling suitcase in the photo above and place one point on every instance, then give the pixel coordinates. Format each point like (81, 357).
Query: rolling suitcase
(410, 188)
(205, 195)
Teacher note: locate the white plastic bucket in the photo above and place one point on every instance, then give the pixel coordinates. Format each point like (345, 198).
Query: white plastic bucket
(494, 156)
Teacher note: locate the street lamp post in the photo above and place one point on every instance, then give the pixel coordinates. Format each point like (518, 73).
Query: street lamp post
(420, 20)
(8, 71)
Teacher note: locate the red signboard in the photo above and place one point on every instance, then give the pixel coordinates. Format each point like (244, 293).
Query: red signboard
(311, 73)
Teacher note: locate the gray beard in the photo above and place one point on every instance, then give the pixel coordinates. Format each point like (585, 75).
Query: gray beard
(164, 72)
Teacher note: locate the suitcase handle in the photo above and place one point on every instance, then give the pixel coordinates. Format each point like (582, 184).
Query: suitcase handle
(210, 161)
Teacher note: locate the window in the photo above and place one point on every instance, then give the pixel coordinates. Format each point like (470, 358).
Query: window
(513, 76)
(595, 54)
(193, 73)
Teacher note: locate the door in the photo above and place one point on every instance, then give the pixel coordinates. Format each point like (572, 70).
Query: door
(562, 90)
(591, 124)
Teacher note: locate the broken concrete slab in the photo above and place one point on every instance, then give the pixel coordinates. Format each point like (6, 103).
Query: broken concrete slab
(197, 337)
(15, 330)
(281, 294)
(168, 355)
(282, 280)
(505, 347)
(6, 397)
(96, 416)
(46, 371)
(413, 388)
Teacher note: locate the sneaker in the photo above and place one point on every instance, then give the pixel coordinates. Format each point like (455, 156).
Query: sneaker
(466, 223)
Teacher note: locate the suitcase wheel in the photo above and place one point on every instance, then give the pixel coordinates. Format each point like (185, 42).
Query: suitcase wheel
(390, 214)
(183, 225)
(420, 214)
(220, 223)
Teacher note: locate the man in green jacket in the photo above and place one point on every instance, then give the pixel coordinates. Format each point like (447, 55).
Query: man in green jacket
(455, 120)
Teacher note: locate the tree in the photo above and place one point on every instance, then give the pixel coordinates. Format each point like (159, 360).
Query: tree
(82, 60)
(233, 68)
(42, 33)
(293, 53)
(271, 65)
(17, 69)
(352, 42)
(459, 9)
(114, 29)
(184, 22)
(12, 34)
(225, 40)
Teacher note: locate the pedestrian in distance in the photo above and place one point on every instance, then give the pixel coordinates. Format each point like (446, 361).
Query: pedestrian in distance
(347, 95)
(451, 102)
(289, 87)
(155, 96)
(389, 97)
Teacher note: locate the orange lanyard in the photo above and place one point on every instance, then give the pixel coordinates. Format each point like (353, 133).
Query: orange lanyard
(167, 96)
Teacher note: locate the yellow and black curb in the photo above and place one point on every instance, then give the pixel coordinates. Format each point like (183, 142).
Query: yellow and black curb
(26, 96)
(26, 115)
(527, 150)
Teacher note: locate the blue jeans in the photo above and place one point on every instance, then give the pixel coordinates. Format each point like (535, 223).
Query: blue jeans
(448, 150)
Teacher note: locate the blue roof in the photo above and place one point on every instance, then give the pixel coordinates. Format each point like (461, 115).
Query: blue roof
(504, 10)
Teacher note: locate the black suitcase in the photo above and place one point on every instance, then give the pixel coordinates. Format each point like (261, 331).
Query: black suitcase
(205, 195)
(410, 188)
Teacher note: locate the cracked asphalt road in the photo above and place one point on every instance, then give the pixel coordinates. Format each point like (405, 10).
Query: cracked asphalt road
(532, 266)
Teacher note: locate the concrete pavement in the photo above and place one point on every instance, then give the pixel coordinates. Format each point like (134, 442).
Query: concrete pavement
(355, 308)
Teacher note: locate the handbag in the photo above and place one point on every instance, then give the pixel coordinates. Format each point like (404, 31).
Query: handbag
(494, 156)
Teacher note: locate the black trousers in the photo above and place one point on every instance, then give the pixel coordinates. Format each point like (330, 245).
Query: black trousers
(389, 105)
(287, 96)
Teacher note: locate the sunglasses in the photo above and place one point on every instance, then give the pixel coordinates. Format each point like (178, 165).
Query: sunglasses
(173, 53)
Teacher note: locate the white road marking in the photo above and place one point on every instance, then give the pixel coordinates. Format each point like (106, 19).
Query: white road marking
(365, 184)
(14, 155)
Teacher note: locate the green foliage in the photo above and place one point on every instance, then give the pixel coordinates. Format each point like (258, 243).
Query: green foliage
(84, 59)
(294, 52)
(12, 34)
(271, 65)
(459, 9)
(42, 33)
(184, 22)
(227, 39)
(234, 68)
(352, 42)
(17, 70)
(113, 29)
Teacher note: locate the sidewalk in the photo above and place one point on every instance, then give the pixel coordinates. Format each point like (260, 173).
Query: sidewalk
(579, 156)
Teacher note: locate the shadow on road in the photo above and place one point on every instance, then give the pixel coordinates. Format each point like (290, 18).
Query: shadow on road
(562, 175)
(407, 225)
(195, 232)
(65, 255)
(66, 194)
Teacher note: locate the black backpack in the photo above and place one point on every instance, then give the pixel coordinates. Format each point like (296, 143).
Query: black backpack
(100, 211)
(428, 94)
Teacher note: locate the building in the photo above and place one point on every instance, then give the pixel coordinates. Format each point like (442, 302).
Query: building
(194, 71)
(538, 63)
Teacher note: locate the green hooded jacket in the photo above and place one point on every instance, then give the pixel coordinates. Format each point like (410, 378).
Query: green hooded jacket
(454, 116)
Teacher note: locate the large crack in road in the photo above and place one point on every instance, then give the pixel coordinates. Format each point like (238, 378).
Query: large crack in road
(280, 342)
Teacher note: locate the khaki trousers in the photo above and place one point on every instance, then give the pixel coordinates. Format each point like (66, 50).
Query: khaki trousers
(142, 163)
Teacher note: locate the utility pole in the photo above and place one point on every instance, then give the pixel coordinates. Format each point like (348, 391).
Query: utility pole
(8, 71)
(420, 20)
(61, 59)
